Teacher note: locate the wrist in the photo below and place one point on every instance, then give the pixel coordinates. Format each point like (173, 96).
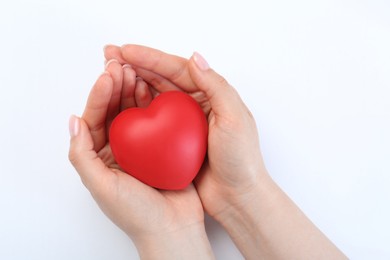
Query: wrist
(242, 216)
(266, 224)
(241, 200)
(189, 242)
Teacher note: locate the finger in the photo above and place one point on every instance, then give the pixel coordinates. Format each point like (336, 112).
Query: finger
(158, 82)
(83, 156)
(116, 72)
(96, 109)
(143, 95)
(128, 89)
(223, 98)
(113, 52)
(161, 84)
(154, 92)
(171, 67)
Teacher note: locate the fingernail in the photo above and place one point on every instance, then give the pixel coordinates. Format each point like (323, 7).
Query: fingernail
(126, 66)
(106, 72)
(74, 126)
(110, 61)
(200, 61)
(106, 46)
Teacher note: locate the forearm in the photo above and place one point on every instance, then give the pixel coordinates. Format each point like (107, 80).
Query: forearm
(188, 243)
(268, 225)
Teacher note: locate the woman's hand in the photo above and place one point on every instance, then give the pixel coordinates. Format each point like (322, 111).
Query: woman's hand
(162, 224)
(233, 184)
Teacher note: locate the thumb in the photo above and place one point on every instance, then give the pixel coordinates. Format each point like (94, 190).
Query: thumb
(223, 98)
(82, 154)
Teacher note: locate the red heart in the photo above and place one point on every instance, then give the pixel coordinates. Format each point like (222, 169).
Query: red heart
(163, 145)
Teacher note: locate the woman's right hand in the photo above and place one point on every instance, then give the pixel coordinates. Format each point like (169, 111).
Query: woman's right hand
(233, 184)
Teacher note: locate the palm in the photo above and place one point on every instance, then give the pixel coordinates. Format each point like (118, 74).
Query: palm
(119, 194)
(222, 171)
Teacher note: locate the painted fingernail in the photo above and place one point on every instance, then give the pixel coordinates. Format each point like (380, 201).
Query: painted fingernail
(106, 72)
(106, 46)
(74, 126)
(110, 61)
(200, 61)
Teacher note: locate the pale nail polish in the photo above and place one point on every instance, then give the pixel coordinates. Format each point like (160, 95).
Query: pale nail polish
(200, 61)
(110, 61)
(106, 72)
(106, 46)
(74, 126)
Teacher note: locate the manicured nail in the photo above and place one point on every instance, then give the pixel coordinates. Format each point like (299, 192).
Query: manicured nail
(110, 61)
(200, 61)
(106, 72)
(74, 126)
(106, 46)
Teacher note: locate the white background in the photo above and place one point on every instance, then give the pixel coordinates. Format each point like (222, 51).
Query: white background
(315, 74)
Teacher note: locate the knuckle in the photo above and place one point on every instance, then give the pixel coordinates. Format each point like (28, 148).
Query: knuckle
(178, 73)
(222, 81)
(73, 156)
(157, 81)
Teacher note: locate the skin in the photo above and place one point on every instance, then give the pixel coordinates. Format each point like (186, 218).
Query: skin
(162, 224)
(233, 185)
